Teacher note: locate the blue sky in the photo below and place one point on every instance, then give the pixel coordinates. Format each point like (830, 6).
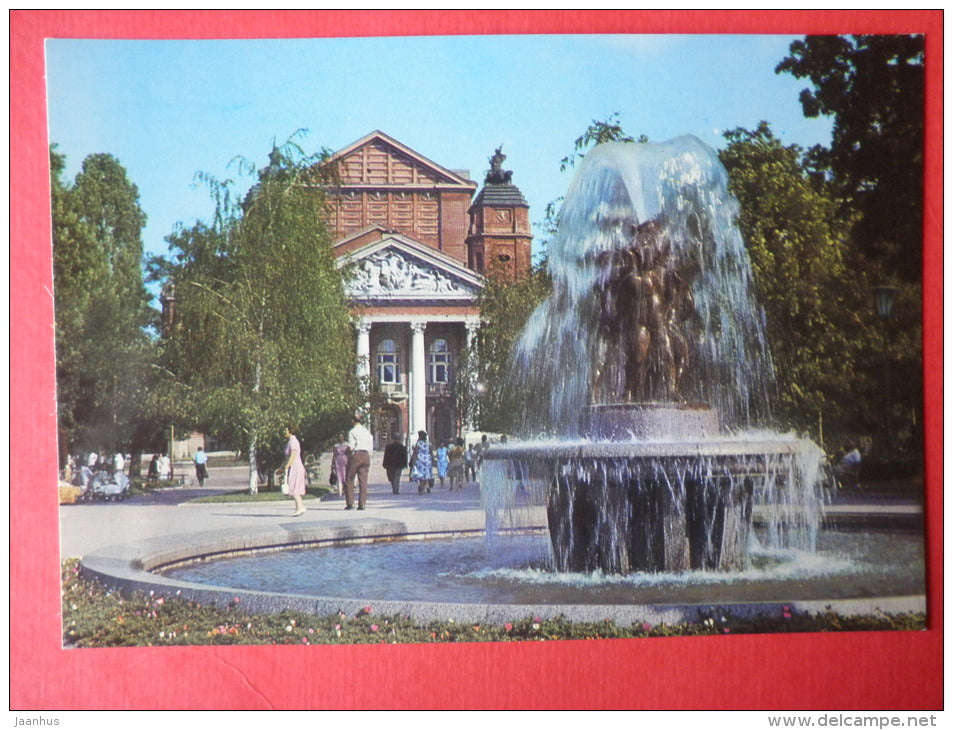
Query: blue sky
(169, 109)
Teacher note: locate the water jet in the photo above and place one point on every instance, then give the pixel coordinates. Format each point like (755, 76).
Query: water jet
(652, 351)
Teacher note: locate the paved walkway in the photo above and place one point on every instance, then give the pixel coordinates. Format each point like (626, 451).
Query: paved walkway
(86, 527)
(121, 541)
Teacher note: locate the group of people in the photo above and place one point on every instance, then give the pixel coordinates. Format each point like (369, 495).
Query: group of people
(160, 467)
(351, 460)
(453, 461)
(79, 468)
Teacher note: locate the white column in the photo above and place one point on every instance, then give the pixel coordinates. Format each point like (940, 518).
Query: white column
(364, 359)
(473, 326)
(363, 348)
(418, 380)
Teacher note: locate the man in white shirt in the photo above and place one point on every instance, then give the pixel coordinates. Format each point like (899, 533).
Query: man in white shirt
(360, 444)
(201, 466)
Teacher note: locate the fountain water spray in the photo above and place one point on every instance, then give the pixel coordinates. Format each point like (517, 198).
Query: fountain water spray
(656, 377)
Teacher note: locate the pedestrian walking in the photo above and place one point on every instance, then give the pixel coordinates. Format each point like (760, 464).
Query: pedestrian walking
(201, 466)
(360, 443)
(295, 475)
(443, 462)
(421, 464)
(469, 464)
(339, 456)
(455, 469)
(395, 461)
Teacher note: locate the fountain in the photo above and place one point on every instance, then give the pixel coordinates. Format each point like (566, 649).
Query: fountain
(649, 447)
(653, 486)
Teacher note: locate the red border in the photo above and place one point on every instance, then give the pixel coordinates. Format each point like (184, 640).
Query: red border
(855, 671)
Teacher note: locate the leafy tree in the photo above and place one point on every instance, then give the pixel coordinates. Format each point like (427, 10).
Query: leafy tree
(816, 303)
(505, 307)
(261, 334)
(598, 132)
(103, 351)
(873, 86)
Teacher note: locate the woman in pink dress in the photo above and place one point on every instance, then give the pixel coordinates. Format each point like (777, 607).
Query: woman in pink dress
(339, 461)
(295, 476)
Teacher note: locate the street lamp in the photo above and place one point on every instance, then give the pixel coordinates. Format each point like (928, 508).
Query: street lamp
(884, 297)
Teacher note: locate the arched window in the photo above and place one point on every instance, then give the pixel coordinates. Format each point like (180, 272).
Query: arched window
(439, 362)
(388, 363)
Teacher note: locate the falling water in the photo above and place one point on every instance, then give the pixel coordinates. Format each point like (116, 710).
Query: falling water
(648, 446)
(626, 197)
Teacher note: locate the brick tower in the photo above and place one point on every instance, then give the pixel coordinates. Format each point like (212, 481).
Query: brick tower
(499, 241)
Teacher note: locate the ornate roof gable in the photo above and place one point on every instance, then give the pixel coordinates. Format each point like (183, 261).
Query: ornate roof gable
(378, 160)
(397, 269)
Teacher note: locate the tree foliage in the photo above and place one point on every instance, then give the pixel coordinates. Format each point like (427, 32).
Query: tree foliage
(816, 303)
(873, 86)
(261, 334)
(505, 307)
(102, 310)
(598, 132)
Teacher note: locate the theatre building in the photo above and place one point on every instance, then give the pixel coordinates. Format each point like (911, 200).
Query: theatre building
(415, 240)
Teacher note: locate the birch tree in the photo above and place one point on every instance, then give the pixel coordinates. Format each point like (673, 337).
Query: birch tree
(261, 335)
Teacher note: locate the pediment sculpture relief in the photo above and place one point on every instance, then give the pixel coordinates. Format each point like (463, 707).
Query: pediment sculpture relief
(387, 273)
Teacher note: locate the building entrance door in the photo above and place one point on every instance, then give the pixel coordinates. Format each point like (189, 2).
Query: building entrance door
(387, 427)
(442, 426)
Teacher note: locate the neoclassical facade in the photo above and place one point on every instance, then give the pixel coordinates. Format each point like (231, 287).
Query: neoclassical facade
(415, 241)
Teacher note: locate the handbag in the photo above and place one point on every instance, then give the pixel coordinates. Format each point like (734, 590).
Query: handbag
(333, 479)
(285, 487)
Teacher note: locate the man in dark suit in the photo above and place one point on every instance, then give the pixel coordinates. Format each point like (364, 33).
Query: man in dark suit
(395, 461)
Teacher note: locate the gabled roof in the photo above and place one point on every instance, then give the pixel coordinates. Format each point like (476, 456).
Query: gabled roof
(450, 176)
(371, 233)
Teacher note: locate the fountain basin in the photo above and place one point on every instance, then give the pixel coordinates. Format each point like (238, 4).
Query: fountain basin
(133, 566)
(663, 505)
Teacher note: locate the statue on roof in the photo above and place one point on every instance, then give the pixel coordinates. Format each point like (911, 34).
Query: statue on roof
(497, 174)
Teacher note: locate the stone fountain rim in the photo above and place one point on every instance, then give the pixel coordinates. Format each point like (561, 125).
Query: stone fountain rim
(582, 448)
(127, 568)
